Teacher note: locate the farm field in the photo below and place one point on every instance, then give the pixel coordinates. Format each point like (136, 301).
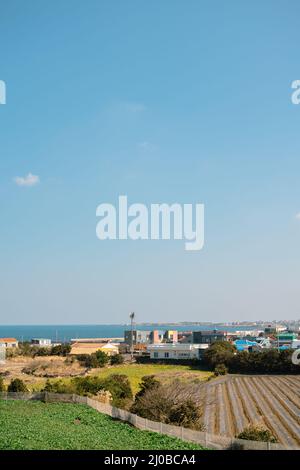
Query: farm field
(29, 425)
(162, 372)
(56, 368)
(234, 402)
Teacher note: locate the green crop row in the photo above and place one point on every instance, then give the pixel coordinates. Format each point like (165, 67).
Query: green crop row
(36, 425)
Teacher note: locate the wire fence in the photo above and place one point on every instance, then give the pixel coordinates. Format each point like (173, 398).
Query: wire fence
(205, 439)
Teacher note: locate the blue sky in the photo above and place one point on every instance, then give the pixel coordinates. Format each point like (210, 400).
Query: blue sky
(167, 101)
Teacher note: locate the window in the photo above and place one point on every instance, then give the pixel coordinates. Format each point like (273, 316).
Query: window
(166, 354)
(155, 355)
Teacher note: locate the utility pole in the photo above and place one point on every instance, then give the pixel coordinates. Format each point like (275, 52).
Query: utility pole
(131, 316)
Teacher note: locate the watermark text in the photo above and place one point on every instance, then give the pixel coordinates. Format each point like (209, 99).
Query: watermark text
(158, 222)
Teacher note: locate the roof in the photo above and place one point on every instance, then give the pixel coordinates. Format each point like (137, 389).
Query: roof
(94, 340)
(40, 339)
(175, 346)
(8, 340)
(89, 348)
(210, 332)
(242, 344)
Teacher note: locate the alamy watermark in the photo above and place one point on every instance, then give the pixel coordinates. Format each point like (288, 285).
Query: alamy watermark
(296, 357)
(158, 222)
(296, 94)
(2, 92)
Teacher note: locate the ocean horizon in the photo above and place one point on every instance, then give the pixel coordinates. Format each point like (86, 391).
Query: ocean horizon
(63, 333)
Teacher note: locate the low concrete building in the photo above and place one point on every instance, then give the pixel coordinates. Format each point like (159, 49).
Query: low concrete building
(42, 342)
(9, 342)
(208, 337)
(137, 336)
(171, 336)
(90, 348)
(286, 338)
(178, 351)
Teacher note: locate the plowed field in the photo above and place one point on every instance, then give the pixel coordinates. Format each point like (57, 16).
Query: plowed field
(233, 403)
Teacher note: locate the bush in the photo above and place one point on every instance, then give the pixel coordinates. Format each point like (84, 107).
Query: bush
(119, 387)
(116, 359)
(186, 414)
(102, 358)
(42, 352)
(60, 350)
(170, 404)
(220, 369)
(88, 385)
(257, 433)
(58, 386)
(148, 382)
(268, 361)
(17, 385)
(2, 386)
(92, 361)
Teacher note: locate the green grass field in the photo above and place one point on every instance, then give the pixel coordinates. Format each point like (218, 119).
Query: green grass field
(165, 373)
(36, 425)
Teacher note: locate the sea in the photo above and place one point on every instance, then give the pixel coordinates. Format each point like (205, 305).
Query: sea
(64, 333)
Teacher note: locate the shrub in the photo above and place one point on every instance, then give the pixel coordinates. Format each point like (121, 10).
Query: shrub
(17, 385)
(58, 386)
(171, 404)
(220, 369)
(102, 358)
(42, 352)
(60, 350)
(2, 386)
(117, 359)
(186, 414)
(148, 382)
(257, 433)
(119, 387)
(88, 385)
(92, 361)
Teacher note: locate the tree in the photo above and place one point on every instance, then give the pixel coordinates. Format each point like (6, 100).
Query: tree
(60, 349)
(17, 385)
(119, 387)
(220, 352)
(102, 358)
(148, 382)
(116, 359)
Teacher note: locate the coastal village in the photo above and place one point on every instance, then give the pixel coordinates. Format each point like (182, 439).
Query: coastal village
(170, 344)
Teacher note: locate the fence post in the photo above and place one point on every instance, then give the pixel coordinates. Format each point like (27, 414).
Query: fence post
(181, 432)
(268, 445)
(46, 398)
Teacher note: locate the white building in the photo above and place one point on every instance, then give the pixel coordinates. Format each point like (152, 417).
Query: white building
(176, 351)
(42, 342)
(9, 342)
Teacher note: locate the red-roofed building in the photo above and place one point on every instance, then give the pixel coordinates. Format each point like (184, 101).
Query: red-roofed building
(9, 342)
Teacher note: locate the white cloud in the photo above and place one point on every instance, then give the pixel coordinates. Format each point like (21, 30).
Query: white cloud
(29, 180)
(298, 216)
